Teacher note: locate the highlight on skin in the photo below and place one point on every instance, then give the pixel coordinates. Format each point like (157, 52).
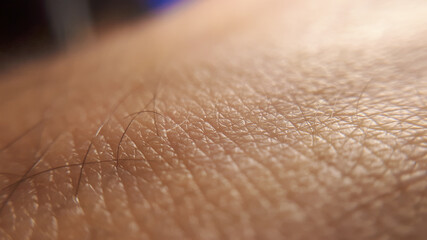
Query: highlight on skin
(284, 120)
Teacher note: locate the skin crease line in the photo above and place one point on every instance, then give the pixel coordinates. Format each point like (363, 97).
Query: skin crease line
(224, 120)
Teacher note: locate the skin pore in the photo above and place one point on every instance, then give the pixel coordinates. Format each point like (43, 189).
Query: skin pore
(244, 120)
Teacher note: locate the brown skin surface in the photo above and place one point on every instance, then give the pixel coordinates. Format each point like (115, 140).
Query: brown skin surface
(273, 120)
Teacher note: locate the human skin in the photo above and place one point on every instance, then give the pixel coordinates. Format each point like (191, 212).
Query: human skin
(242, 120)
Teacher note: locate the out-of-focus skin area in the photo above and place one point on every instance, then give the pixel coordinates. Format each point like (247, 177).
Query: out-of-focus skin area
(31, 30)
(225, 120)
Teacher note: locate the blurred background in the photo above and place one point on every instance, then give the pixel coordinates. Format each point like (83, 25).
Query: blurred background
(35, 28)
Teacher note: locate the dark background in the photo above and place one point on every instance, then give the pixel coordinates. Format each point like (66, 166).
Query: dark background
(34, 28)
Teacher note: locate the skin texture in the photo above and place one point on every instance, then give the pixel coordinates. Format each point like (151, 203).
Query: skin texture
(243, 120)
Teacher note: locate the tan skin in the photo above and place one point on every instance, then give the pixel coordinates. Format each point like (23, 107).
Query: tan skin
(243, 120)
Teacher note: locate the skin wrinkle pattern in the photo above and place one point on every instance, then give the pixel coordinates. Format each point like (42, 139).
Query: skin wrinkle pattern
(24, 177)
(96, 135)
(276, 124)
(134, 116)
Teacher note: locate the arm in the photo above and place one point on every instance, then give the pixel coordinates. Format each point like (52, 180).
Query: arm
(292, 121)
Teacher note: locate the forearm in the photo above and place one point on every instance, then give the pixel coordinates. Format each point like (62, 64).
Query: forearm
(279, 126)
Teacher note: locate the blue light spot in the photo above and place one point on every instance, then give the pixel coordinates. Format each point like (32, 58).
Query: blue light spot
(159, 4)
